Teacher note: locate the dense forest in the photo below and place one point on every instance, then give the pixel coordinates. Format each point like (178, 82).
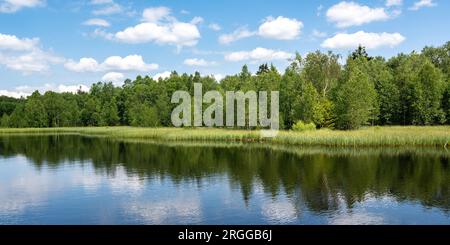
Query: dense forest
(407, 89)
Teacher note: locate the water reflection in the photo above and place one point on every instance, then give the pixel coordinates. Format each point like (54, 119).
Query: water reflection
(81, 180)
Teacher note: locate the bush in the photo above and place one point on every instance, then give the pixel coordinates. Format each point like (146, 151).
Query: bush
(300, 126)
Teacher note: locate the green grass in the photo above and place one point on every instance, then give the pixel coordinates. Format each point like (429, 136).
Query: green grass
(370, 136)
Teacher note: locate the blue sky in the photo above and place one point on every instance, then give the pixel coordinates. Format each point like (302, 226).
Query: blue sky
(62, 45)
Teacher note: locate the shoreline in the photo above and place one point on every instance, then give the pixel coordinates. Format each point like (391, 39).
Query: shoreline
(392, 136)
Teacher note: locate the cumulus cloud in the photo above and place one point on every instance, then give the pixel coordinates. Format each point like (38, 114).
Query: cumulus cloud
(34, 61)
(257, 55)
(14, 94)
(84, 65)
(156, 14)
(318, 34)
(214, 27)
(99, 2)
(11, 6)
(162, 75)
(368, 39)
(96, 22)
(12, 42)
(198, 62)
(280, 28)
(106, 7)
(346, 14)
(25, 90)
(390, 3)
(25, 55)
(240, 33)
(179, 34)
(128, 63)
(219, 77)
(422, 4)
(197, 20)
(162, 28)
(72, 88)
(114, 77)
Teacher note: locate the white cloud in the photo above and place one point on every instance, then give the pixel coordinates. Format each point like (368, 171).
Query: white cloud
(108, 7)
(280, 28)
(14, 94)
(128, 63)
(24, 54)
(368, 39)
(99, 2)
(25, 90)
(11, 6)
(84, 65)
(35, 61)
(114, 77)
(240, 33)
(346, 14)
(390, 3)
(179, 33)
(96, 22)
(258, 54)
(214, 27)
(98, 32)
(422, 3)
(161, 28)
(219, 77)
(11, 42)
(72, 88)
(155, 14)
(318, 34)
(162, 75)
(197, 20)
(198, 62)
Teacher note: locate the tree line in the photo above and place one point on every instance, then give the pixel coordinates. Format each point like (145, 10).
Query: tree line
(407, 89)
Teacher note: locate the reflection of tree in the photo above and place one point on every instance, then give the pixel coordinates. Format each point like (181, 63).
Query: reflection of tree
(318, 179)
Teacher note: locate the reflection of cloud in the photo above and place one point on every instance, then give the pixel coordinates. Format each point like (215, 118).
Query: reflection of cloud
(120, 182)
(356, 219)
(279, 212)
(181, 210)
(358, 215)
(125, 183)
(21, 188)
(86, 178)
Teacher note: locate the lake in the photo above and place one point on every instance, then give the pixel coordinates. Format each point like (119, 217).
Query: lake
(69, 179)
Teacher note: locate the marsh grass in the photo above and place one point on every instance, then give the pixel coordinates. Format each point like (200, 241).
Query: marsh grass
(370, 136)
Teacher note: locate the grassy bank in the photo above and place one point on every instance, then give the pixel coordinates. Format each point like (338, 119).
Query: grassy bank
(372, 136)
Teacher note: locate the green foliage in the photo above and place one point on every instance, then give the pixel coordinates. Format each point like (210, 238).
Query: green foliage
(300, 126)
(8, 104)
(35, 113)
(407, 89)
(322, 70)
(143, 115)
(355, 97)
(4, 121)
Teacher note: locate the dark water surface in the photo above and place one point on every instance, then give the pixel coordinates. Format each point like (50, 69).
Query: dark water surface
(81, 180)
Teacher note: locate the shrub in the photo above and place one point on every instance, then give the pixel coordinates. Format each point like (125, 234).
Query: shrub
(300, 126)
